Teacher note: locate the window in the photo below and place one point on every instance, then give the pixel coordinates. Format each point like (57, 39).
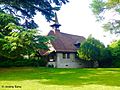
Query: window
(77, 44)
(51, 57)
(66, 55)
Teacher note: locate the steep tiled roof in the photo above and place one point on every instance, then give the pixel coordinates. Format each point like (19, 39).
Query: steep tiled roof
(65, 42)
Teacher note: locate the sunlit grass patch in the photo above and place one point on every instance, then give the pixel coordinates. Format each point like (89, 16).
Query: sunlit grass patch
(60, 79)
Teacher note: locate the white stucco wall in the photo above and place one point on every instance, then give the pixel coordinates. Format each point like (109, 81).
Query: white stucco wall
(68, 63)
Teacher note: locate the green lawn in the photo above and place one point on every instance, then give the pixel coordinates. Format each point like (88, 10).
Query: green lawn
(28, 78)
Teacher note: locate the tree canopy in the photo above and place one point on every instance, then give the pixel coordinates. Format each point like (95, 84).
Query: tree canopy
(93, 50)
(19, 39)
(90, 49)
(27, 9)
(115, 48)
(16, 41)
(101, 8)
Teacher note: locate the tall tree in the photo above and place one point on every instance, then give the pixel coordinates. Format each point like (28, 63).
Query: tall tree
(27, 9)
(101, 8)
(16, 41)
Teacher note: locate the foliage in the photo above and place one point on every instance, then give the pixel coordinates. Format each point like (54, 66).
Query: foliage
(5, 19)
(22, 42)
(16, 41)
(115, 49)
(27, 9)
(22, 62)
(106, 58)
(90, 49)
(97, 7)
(93, 50)
(102, 7)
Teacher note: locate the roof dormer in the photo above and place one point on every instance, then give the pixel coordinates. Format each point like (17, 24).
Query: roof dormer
(77, 44)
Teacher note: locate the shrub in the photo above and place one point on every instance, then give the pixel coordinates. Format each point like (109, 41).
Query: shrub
(22, 62)
(116, 63)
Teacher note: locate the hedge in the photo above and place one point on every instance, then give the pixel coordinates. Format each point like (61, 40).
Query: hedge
(22, 62)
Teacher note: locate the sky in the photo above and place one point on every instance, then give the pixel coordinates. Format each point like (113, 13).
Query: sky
(76, 18)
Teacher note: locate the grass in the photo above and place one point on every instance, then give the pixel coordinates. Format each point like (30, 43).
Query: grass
(29, 78)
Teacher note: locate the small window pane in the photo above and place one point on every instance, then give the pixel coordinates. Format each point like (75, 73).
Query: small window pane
(64, 55)
(68, 55)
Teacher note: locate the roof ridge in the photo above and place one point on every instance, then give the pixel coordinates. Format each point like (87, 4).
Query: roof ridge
(71, 34)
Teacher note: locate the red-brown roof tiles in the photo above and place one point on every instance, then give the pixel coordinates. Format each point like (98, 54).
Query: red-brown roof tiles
(65, 42)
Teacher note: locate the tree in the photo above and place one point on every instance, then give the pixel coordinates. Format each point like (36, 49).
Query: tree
(5, 19)
(16, 41)
(27, 9)
(90, 49)
(115, 47)
(106, 58)
(21, 42)
(102, 7)
(115, 50)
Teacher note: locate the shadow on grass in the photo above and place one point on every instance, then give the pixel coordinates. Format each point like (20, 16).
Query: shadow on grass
(70, 77)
